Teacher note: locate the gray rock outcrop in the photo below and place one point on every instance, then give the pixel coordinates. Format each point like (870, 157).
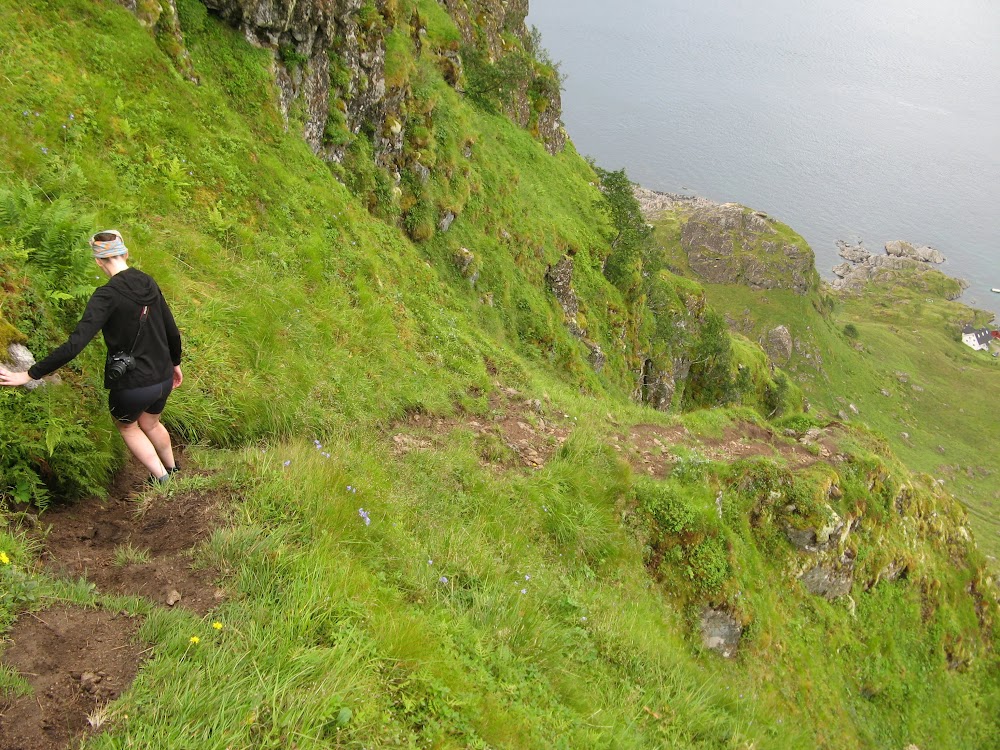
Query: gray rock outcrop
(329, 53)
(853, 253)
(720, 632)
(731, 244)
(160, 17)
(924, 254)
(862, 267)
(560, 281)
(830, 579)
(779, 344)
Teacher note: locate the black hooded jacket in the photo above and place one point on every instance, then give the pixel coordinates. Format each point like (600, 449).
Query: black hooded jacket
(115, 309)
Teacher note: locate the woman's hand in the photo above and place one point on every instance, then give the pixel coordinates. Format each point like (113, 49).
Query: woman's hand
(13, 378)
(178, 376)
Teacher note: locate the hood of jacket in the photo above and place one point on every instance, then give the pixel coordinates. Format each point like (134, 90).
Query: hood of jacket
(135, 285)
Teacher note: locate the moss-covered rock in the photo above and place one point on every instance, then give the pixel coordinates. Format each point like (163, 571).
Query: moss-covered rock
(732, 244)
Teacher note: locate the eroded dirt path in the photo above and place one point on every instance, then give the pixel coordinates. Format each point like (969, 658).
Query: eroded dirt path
(78, 659)
(647, 447)
(517, 429)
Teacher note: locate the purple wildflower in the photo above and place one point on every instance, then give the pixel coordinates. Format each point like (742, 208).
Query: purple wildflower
(44, 150)
(287, 463)
(72, 116)
(364, 514)
(524, 591)
(443, 579)
(527, 577)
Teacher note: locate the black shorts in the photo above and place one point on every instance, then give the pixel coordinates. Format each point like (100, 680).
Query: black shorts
(126, 405)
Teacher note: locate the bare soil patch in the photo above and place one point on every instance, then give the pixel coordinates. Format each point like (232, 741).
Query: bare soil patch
(529, 429)
(647, 447)
(76, 659)
(161, 527)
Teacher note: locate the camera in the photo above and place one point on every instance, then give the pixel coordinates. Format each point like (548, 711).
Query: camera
(118, 364)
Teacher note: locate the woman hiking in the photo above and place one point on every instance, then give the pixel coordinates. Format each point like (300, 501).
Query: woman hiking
(144, 353)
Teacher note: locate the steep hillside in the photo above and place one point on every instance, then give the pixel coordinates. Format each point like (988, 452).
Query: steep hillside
(431, 495)
(884, 351)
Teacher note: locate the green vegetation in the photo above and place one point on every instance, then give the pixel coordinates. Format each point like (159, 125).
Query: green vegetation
(443, 596)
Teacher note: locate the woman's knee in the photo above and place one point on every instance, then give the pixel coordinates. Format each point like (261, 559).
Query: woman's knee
(148, 422)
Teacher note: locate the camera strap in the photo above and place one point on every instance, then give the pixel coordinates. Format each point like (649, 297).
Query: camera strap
(142, 320)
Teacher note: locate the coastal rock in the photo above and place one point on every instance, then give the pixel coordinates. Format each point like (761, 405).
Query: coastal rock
(902, 261)
(657, 384)
(853, 253)
(720, 632)
(161, 18)
(844, 269)
(732, 244)
(924, 254)
(446, 221)
(654, 204)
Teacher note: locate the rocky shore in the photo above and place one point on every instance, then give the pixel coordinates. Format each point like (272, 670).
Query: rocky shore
(654, 204)
(862, 266)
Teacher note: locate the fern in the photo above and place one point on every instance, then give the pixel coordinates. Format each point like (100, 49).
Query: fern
(53, 233)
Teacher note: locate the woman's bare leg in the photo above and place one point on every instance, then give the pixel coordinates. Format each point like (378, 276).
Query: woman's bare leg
(159, 437)
(141, 448)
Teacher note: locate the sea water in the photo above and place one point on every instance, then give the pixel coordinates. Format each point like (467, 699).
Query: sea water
(846, 119)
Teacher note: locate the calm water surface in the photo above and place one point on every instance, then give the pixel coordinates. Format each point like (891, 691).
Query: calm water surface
(845, 119)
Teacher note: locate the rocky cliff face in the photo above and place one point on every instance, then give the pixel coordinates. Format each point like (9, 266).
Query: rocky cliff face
(305, 37)
(331, 56)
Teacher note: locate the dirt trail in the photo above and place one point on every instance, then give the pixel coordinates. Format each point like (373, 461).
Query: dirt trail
(78, 659)
(517, 430)
(525, 431)
(646, 447)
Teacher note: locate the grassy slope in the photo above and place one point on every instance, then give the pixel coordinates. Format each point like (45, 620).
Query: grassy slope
(942, 394)
(307, 319)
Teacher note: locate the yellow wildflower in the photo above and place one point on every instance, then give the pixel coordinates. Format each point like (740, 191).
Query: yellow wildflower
(195, 640)
(4, 559)
(217, 625)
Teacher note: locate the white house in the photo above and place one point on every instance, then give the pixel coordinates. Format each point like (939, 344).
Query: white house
(976, 338)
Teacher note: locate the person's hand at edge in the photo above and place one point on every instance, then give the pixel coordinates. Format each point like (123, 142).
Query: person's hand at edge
(13, 378)
(178, 376)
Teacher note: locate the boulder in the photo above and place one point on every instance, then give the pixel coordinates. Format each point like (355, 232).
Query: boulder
(720, 632)
(445, 224)
(20, 359)
(924, 254)
(853, 253)
(817, 538)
